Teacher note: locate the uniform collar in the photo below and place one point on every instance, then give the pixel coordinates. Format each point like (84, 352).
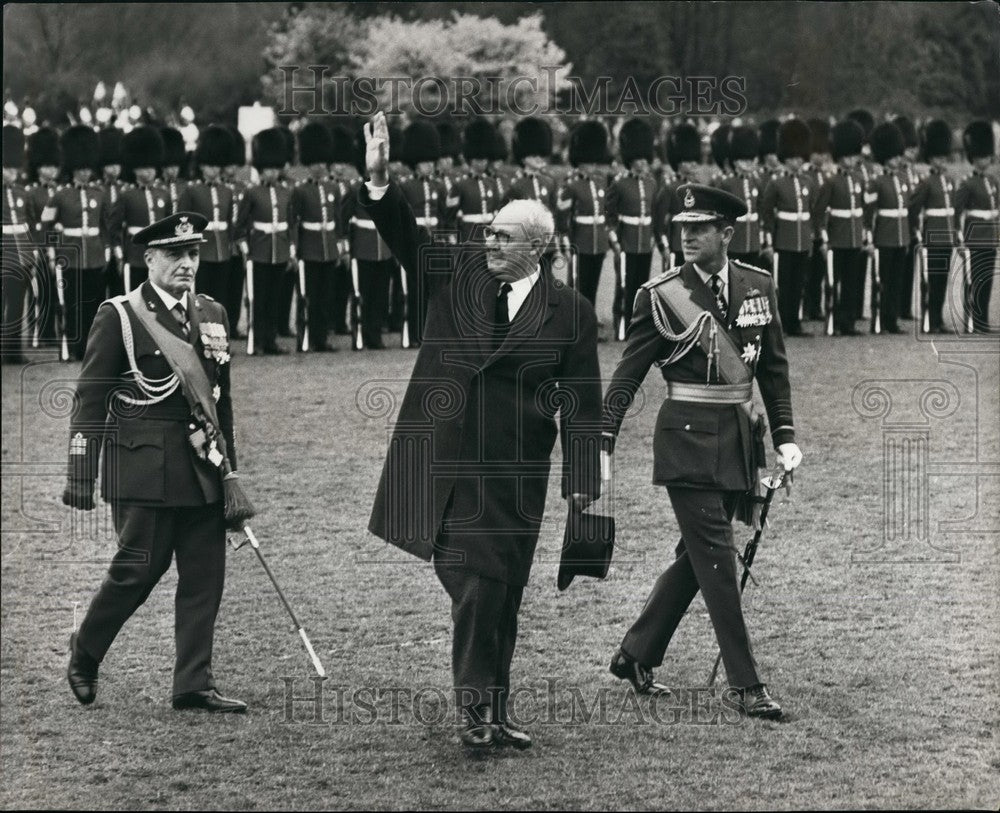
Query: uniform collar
(169, 300)
(705, 276)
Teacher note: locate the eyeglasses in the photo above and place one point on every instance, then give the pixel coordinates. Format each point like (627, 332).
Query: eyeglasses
(503, 238)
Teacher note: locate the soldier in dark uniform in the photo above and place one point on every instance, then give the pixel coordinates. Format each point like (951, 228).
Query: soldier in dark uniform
(212, 199)
(712, 328)
(867, 167)
(718, 143)
(19, 247)
(174, 165)
(164, 481)
(262, 229)
(289, 280)
(449, 168)
(111, 139)
(977, 208)
(582, 205)
(141, 202)
(684, 155)
(475, 198)
(887, 219)
(770, 164)
(43, 175)
(316, 217)
(744, 181)
(785, 212)
(237, 271)
(911, 155)
(344, 173)
(427, 196)
(822, 168)
(630, 202)
(840, 221)
(932, 220)
(78, 219)
(532, 148)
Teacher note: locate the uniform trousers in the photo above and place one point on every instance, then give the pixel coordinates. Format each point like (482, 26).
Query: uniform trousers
(705, 560)
(212, 279)
(636, 273)
(906, 284)
(138, 274)
(849, 275)
(148, 538)
(340, 295)
(373, 280)
(978, 297)
(84, 292)
(233, 299)
(319, 284)
(938, 266)
(267, 301)
(815, 283)
(588, 275)
(16, 282)
(792, 267)
(892, 270)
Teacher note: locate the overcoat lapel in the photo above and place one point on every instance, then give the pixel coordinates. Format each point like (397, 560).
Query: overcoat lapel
(530, 318)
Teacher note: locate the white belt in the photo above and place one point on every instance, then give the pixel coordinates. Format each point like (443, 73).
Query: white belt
(939, 212)
(216, 225)
(15, 228)
(793, 215)
(89, 231)
(635, 220)
(589, 220)
(893, 213)
(269, 228)
(363, 224)
(427, 221)
(749, 217)
(985, 214)
(847, 212)
(313, 225)
(477, 218)
(135, 229)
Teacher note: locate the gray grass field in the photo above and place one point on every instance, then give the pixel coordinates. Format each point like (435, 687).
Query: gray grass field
(882, 650)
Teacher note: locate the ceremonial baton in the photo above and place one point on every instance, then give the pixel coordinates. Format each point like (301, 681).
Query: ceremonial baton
(252, 539)
(303, 306)
(772, 484)
(831, 292)
(967, 300)
(250, 331)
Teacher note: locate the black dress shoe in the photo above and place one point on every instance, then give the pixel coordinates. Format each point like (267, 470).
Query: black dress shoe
(209, 700)
(895, 329)
(756, 702)
(341, 331)
(475, 733)
(800, 333)
(326, 348)
(82, 673)
(641, 677)
(850, 331)
(274, 350)
(509, 735)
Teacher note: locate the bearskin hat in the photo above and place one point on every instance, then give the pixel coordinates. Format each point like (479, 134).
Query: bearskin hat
(479, 140)
(13, 147)
(532, 136)
(865, 119)
(846, 139)
(142, 147)
(451, 139)
(683, 144)
(768, 133)
(887, 142)
(793, 140)
(215, 146)
(719, 144)
(588, 144)
(43, 149)
(743, 143)
(937, 139)
(819, 136)
(315, 144)
(174, 153)
(978, 140)
(238, 157)
(111, 139)
(909, 131)
(270, 149)
(421, 142)
(344, 147)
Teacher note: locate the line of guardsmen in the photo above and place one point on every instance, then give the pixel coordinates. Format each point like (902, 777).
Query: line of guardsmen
(833, 211)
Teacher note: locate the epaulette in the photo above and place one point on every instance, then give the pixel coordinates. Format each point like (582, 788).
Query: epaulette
(659, 279)
(749, 267)
(206, 296)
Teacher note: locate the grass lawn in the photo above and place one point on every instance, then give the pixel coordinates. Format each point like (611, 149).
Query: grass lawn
(883, 651)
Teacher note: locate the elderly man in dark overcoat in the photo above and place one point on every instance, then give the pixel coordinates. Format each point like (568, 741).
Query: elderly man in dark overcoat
(505, 349)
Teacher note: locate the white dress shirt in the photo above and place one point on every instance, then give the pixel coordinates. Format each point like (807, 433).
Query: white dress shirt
(706, 277)
(169, 299)
(519, 290)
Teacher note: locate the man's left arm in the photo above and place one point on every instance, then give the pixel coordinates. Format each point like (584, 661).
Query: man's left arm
(224, 406)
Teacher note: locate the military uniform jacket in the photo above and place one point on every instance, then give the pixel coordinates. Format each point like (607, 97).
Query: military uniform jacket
(214, 201)
(262, 221)
(114, 190)
(80, 215)
(695, 444)
(366, 241)
(19, 222)
(786, 211)
(40, 195)
(317, 217)
(748, 188)
(477, 424)
(976, 205)
(474, 201)
(932, 209)
(630, 201)
(887, 216)
(239, 189)
(137, 207)
(582, 209)
(505, 175)
(428, 198)
(175, 189)
(148, 459)
(538, 186)
(840, 209)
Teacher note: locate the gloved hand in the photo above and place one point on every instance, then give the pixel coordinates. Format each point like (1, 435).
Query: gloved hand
(789, 455)
(79, 494)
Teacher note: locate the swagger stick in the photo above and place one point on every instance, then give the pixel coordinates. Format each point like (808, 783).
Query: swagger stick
(772, 483)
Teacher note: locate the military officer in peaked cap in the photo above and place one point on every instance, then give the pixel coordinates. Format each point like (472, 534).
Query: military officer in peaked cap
(154, 395)
(712, 327)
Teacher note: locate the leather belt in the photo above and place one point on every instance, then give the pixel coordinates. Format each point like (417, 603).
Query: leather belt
(269, 228)
(709, 393)
(315, 225)
(793, 215)
(636, 220)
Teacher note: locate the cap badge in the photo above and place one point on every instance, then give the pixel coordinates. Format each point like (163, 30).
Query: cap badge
(183, 228)
(689, 199)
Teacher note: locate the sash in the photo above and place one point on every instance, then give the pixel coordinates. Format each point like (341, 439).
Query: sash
(671, 295)
(186, 364)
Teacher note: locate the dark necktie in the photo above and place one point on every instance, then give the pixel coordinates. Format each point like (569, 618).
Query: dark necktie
(501, 318)
(716, 284)
(181, 316)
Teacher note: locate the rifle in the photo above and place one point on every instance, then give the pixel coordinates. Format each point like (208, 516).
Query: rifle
(831, 292)
(249, 284)
(61, 296)
(925, 313)
(303, 308)
(36, 290)
(967, 299)
(255, 544)
(876, 321)
(405, 336)
(772, 484)
(357, 337)
(621, 327)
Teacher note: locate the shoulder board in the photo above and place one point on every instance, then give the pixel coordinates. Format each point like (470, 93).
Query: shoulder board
(749, 267)
(659, 279)
(205, 296)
